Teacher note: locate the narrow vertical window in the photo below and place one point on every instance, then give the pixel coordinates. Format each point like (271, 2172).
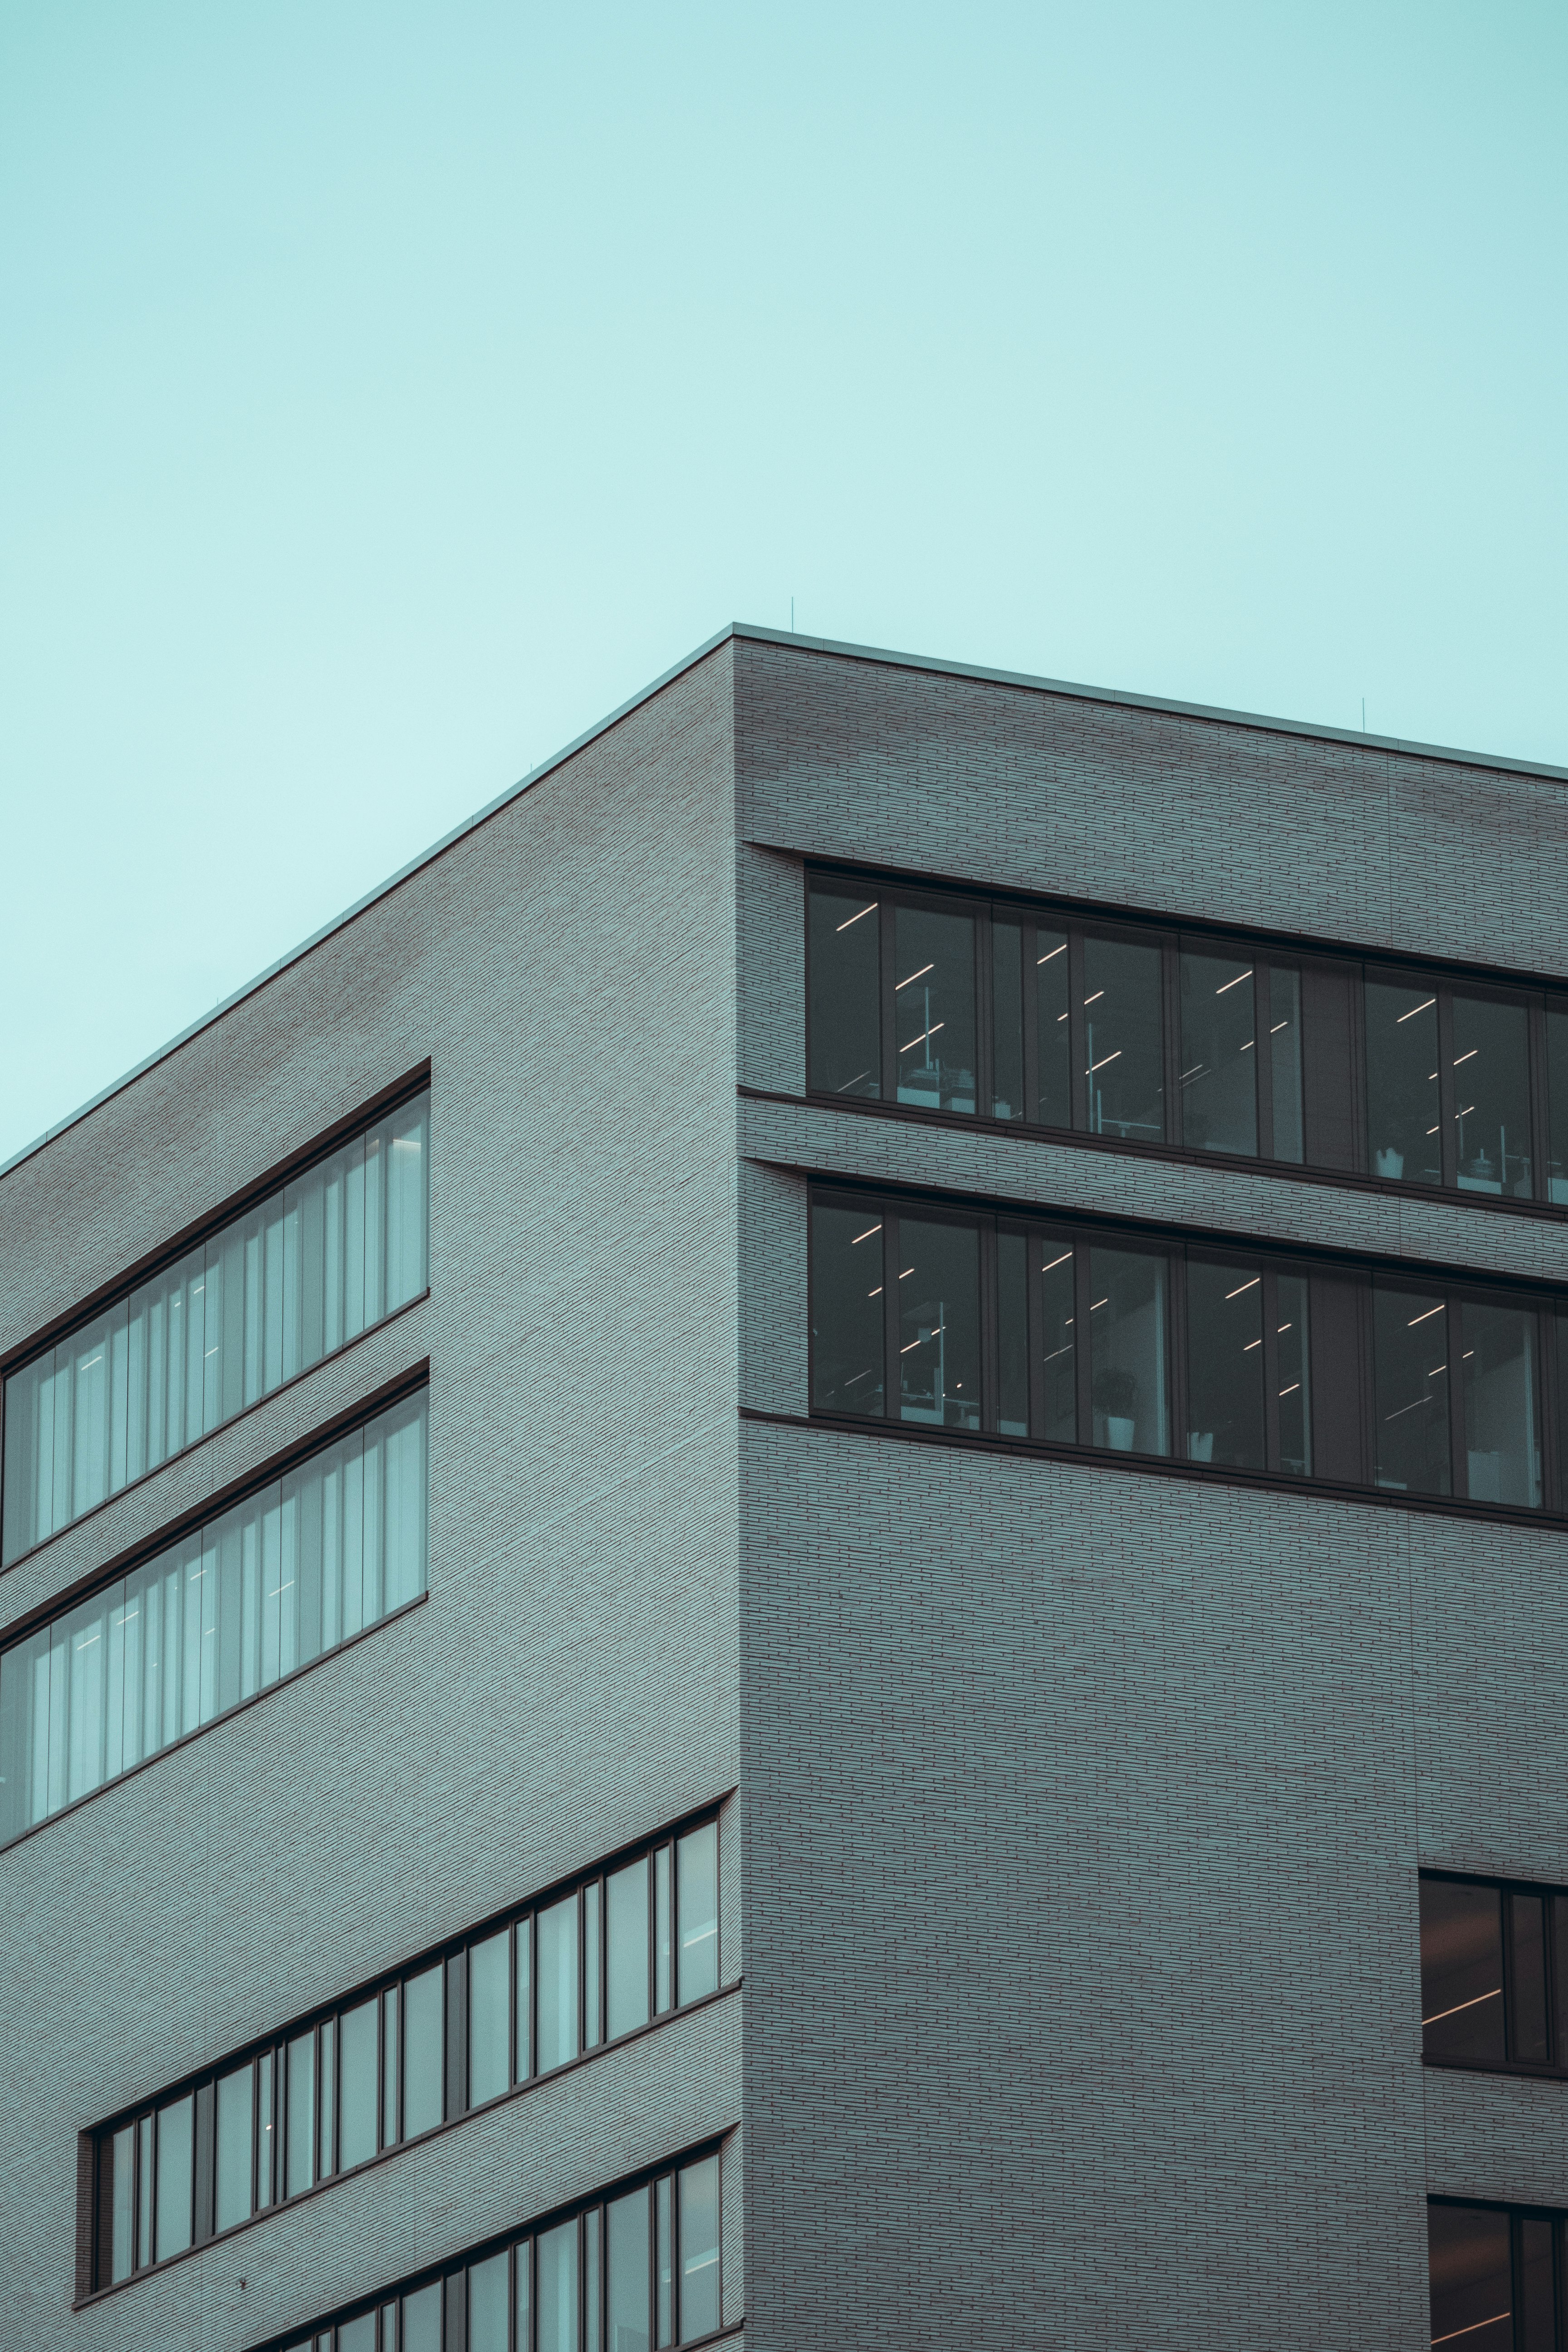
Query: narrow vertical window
(1537, 2293)
(235, 2144)
(1293, 1357)
(143, 2192)
(1557, 1104)
(266, 2131)
(557, 1997)
(933, 1008)
(1501, 1392)
(663, 1933)
(1491, 1095)
(490, 2018)
(1054, 1028)
(1410, 1348)
(1124, 1041)
(593, 2278)
(847, 1309)
(122, 2213)
(1462, 2008)
(593, 1957)
(522, 2338)
(697, 1898)
(359, 2066)
(326, 2101)
(1219, 1055)
(629, 2267)
(1284, 1000)
(301, 2113)
(1006, 1019)
(664, 2260)
(699, 2306)
(845, 1019)
(423, 2051)
(391, 2069)
(1013, 1335)
(628, 1929)
(421, 2329)
(1126, 1326)
(489, 2288)
(559, 2289)
(1403, 1124)
(1224, 1365)
(176, 2176)
(1529, 2023)
(939, 1323)
(525, 2019)
(1058, 1330)
(1470, 2267)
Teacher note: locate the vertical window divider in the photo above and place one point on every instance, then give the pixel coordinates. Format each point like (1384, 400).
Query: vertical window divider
(1077, 1032)
(1031, 951)
(1271, 1449)
(1082, 1308)
(205, 2165)
(1263, 1054)
(1453, 1330)
(1448, 1163)
(889, 1359)
(1171, 1035)
(455, 2034)
(889, 1025)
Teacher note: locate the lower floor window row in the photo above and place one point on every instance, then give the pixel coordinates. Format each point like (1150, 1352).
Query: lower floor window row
(1494, 1974)
(449, 2032)
(1036, 1329)
(627, 2273)
(1497, 2276)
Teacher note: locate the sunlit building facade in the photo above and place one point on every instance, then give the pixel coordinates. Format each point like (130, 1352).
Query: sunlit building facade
(785, 1563)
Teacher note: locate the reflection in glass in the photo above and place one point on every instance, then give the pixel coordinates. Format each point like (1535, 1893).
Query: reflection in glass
(626, 2225)
(391, 2114)
(1528, 2029)
(490, 2285)
(1124, 1053)
(663, 2261)
(593, 1945)
(1013, 1335)
(1224, 1365)
(300, 2142)
(698, 2248)
(1501, 1405)
(1285, 1055)
(1410, 1349)
(1557, 1105)
(123, 2216)
(845, 1027)
(358, 2056)
(1461, 1971)
(266, 2136)
(1054, 1028)
(1403, 1121)
(424, 2039)
(625, 1909)
(1491, 1095)
(490, 2018)
(663, 1933)
(176, 2175)
(1007, 1020)
(1471, 2277)
(557, 1930)
(934, 1002)
(1060, 1355)
(1537, 2298)
(1219, 1055)
(847, 1309)
(356, 2335)
(557, 2289)
(235, 2138)
(939, 1324)
(1295, 1387)
(421, 2329)
(1127, 1350)
(697, 1912)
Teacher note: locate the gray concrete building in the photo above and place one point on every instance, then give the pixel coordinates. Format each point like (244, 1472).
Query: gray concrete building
(784, 1561)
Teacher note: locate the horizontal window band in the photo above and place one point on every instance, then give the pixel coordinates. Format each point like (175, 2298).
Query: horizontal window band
(420, 2140)
(213, 1221)
(1518, 2067)
(1161, 1466)
(1343, 1179)
(223, 1498)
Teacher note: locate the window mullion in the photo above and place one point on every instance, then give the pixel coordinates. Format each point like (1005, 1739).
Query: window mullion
(1454, 1332)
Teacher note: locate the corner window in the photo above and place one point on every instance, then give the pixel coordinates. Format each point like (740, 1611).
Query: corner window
(1494, 1974)
(1494, 2272)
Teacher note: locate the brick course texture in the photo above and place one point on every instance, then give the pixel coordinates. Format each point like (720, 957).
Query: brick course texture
(1073, 1867)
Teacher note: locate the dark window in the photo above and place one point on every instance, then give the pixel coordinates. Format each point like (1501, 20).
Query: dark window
(1219, 1054)
(1501, 1386)
(1491, 1095)
(448, 2034)
(845, 1028)
(1283, 1050)
(1403, 1117)
(1053, 1020)
(939, 1323)
(1557, 1101)
(848, 1310)
(1007, 1020)
(1128, 1320)
(1469, 2253)
(1410, 1354)
(1123, 1047)
(1224, 1364)
(933, 1009)
(1494, 1973)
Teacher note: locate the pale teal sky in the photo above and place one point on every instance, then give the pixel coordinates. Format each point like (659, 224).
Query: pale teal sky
(387, 391)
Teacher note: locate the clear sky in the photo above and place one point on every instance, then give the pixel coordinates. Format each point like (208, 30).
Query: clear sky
(387, 391)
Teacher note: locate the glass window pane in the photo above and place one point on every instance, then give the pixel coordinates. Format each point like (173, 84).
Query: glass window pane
(1295, 1396)
(522, 2280)
(1127, 1350)
(1537, 2298)
(301, 2117)
(592, 1954)
(1219, 1055)
(933, 1008)
(1051, 992)
(122, 2209)
(557, 2288)
(176, 2175)
(664, 2260)
(558, 1984)
(846, 1329)
(1461, 1971)
(1410, 1337)
(846, 1021)
(327, 2122)
(628, 2222)
(1125, 1040)
(1224, 1365)
(939, 1324)
(265, 2132)
(421, 2329)
(391, 2071)
(424, 2050)
(1471, 2278)
(626, 1917)
(490, 2285)
(1557, 1104)
(1502, 1405)
(524, 2022)
(1013, 1335)
(361, 2057)
(236, 2143)
(1060, 1354)
(357, 2335)
(144, 2168)
(1401, 1112)
(1491, 1095)
(490, 2018)
(663, 1933)
(1007, 1020)
(1529, 2039)
(698, 2248)
(696, 1910)
(1285, 1054)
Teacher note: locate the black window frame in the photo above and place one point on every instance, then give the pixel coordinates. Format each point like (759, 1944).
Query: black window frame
(1341, 1359)
(1555, 1926)
(1557, 2219)
(1331, 979)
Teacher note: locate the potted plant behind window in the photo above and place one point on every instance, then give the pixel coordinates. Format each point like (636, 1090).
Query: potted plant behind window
(1115, 1400)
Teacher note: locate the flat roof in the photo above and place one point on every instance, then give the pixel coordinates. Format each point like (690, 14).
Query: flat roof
(752, 630)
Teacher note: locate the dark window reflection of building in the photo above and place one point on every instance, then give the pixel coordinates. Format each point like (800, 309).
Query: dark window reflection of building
(1410, 1346)
(933, 1001)
(1124, 1055)
(939, 1324)
(1224, 1364)
(1470, 2268)
(1461, 1972)
(1219, 1055)
(1491, 1097)
(845, 1025)
(1402, 1095)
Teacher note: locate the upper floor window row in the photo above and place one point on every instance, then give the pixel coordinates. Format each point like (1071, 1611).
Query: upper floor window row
(285, 1575)
(1174, 1040)
(331, 1253)
(639, 2269)
(1498, 2275)
(447, 2033)
(1494, 1975)
(1036, 1328)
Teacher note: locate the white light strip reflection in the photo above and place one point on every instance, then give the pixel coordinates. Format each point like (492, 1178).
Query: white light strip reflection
(924, 1036)
(867, 1235)
(1423, 1318)
(1237, 982)
(1246, 1285)
(1057, 1261)
(1495, 1994)
(855, 919)
(914, 976)
(1053, 955)
(1100, 1064)
(1470, 2330)
(1414, 1009)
